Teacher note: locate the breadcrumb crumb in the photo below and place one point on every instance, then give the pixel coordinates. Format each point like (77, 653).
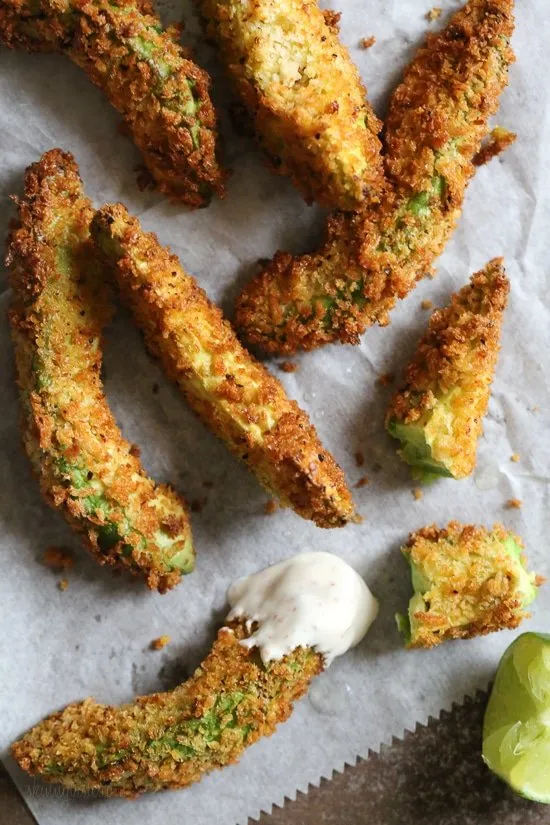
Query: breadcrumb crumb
(514, 504)
(63, 584)
(288, 366)
(427, 304)
(158, 644)
(385, 379)
(367, 42)
(270, 507)
(434, 14)
(417, 494)
(359, 458)
(499, 140)
(357, 519)
(57, 558)
(515, 457)
(363, 481)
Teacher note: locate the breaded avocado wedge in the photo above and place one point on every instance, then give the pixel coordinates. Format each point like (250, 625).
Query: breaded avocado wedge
(86, 469)
(438, 414)
(467, 581)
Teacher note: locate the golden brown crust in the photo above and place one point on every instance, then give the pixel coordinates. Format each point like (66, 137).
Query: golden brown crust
(474, 587)
(454, 365)
(86, 469)
(161, 94)
(304, 95)
(110, 750)
(233, 394)
(437, 120)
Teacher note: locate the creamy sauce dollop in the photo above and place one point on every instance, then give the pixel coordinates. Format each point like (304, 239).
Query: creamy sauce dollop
(310, 600)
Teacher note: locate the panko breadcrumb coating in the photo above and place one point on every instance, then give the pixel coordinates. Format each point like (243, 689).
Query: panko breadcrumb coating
(438, 413)
(303, 94)
(437, 120)
(170, 740)
(234, 395)
(161, 94)
(467, 580)
(86, 469)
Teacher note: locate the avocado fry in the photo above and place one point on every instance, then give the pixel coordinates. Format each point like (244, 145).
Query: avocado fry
(467, 580)
(86, 469)
(161, 94)
(438, 413)
(170, 740)
(437, 120)
(304, 95)
(234, 395)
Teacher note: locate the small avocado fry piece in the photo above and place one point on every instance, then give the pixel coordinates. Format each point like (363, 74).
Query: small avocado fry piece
(467, 580)
(86, 469)
(161, 94)
(438, 118)
(233, 394)
(170, 740)
(438, 413)
(303, 94)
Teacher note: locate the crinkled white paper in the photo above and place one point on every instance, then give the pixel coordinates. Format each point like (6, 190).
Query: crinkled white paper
(92, 639)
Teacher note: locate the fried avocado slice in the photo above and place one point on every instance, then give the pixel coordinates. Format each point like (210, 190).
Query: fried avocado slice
(438, 413)
(86, 469)
(437, 120)
(467, 580)
(303, 94)
(170, 740)
(161, 94)
(230, 392)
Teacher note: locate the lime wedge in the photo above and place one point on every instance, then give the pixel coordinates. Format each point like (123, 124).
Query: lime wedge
(516, 728)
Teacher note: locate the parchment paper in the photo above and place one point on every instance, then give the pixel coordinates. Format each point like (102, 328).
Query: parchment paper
(92, 639)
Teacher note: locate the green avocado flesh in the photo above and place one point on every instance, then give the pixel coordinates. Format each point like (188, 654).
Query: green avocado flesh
(416, 451)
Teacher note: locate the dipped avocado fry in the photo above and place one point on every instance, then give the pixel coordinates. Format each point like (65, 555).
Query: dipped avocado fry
(304, 95)
(468, 581)
(86, 469)
(437, 120)
(438, 414)
(161, 94)
(228, 389)
(287, 623)
(169, 740)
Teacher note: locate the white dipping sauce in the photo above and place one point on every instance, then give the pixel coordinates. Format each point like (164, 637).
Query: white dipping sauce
(310, 600)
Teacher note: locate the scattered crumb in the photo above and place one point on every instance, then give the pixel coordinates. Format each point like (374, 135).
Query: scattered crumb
(158, 644)
(57, 558)
(288, 366)
(427, 304)
(434, 14)
(198, 505)
(417, 494)
(367, 42)
(270, 507)
(208, 485)
(357, 518)
(155, 388)
(363, 481)
(63, 584)
(499, 140)
(359, 458)
(385, 379)
(135, 451)
(539, 580)
(514, 504)
(515, 457)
